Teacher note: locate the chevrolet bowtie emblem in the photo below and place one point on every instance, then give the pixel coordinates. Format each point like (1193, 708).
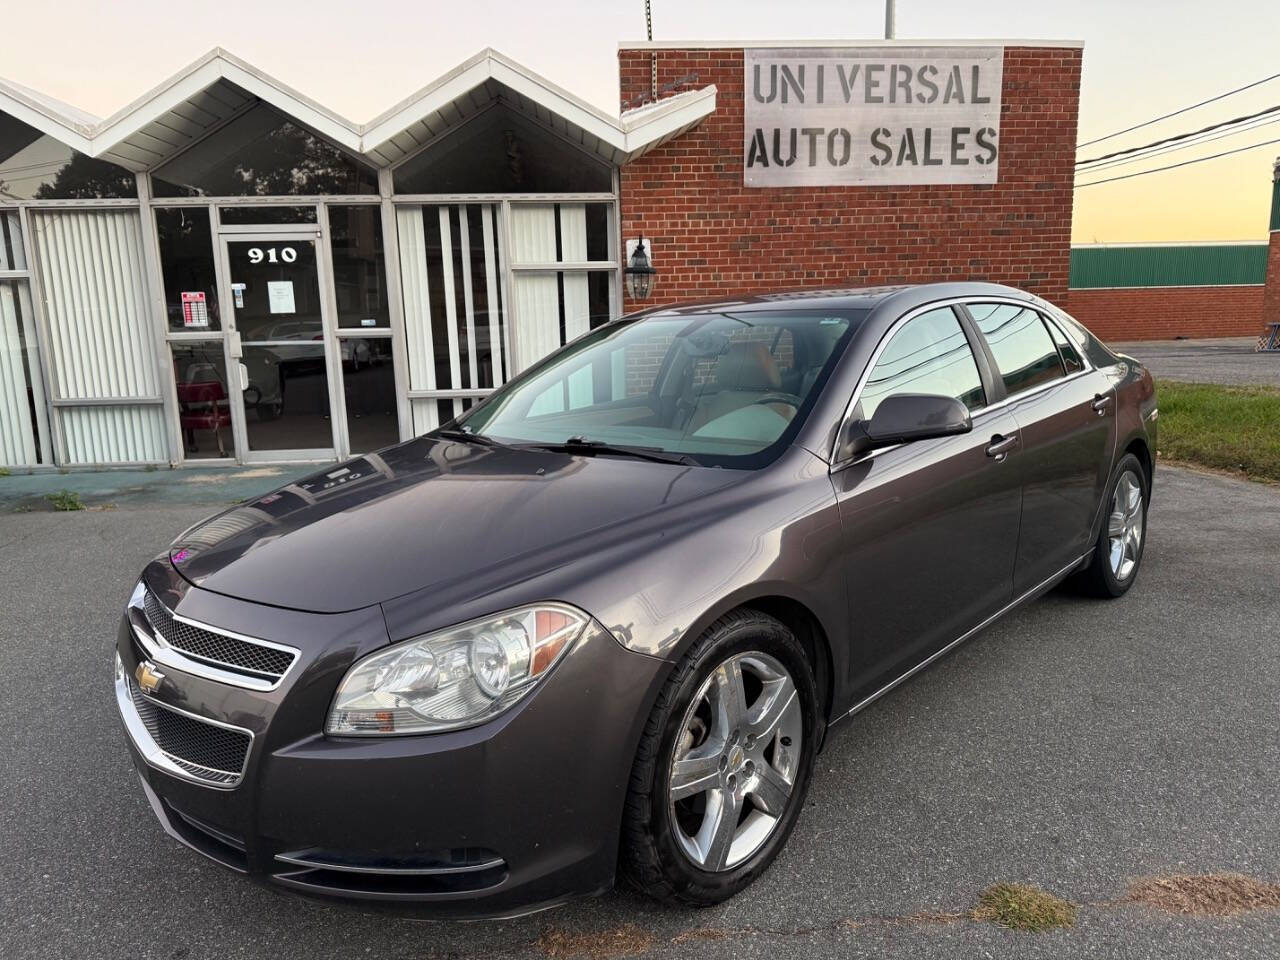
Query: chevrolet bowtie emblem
(148, 677)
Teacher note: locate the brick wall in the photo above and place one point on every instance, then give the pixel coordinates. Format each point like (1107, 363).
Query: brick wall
(1163, 313)
(1271, 300)
(714, 237)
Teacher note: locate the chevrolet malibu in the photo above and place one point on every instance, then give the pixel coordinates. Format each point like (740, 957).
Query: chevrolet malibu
(601, 623)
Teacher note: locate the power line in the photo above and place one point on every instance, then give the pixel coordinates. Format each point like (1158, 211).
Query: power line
(1147, 123)
(1184, 163)
(1181, 136)
(1174, 148)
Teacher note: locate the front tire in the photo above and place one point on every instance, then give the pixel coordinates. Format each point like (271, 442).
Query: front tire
(724, 763)
(1117, 555)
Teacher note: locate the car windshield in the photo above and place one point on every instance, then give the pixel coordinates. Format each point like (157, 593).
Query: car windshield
(718, 388)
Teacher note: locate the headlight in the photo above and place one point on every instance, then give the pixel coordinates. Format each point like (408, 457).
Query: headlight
(456, 677)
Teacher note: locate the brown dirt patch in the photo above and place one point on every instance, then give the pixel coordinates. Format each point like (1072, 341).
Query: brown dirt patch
(1213, 894)
(626, 941)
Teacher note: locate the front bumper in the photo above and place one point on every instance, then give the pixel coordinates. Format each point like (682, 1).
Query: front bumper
(518, 813)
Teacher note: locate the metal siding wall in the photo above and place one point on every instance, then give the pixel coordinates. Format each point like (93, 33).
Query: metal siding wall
(1168, 266)
(113, 434)
(91, 265)
(92, 269)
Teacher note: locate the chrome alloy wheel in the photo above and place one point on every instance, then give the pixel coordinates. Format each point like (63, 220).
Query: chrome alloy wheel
(735, 761)
(1125, 525)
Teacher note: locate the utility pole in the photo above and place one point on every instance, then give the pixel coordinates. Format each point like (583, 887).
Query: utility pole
(889, 25)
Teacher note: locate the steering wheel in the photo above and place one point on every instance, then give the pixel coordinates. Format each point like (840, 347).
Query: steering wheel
(790, 399)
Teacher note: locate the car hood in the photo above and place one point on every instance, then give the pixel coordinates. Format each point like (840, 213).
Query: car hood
(423, 513)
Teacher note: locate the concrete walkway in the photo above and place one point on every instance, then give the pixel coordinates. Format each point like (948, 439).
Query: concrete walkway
(22, 493)
(1229, 360)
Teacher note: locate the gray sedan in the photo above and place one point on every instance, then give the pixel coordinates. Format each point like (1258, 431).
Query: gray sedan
(601, 624)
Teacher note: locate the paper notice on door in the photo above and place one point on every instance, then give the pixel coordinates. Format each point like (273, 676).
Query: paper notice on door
(238, 290)
(195, 312)
(280, 296)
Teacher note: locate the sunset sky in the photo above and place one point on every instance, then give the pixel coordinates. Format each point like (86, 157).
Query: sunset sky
(1142, 58)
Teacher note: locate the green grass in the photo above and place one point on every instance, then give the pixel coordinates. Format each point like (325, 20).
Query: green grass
(65, 500)
(1225, 428)
(1017, 906)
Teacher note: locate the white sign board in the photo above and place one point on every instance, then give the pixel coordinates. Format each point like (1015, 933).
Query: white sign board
(871, 115)
(280, 296)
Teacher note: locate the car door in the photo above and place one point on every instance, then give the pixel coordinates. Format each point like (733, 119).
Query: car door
(929, 529)
(1065, 411)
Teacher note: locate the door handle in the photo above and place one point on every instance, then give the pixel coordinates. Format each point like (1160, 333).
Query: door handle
(1101, 402)
(1000, 446)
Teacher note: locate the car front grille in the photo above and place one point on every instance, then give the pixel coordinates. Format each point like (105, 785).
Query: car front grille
(219, 649)
(206, 751)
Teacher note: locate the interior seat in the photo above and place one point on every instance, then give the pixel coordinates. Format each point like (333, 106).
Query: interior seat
(744, 373)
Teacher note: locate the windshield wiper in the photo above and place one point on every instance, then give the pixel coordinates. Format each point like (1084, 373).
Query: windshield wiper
(587, 448)
(457, 433)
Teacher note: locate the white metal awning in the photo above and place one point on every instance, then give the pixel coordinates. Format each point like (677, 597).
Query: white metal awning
(220, 86)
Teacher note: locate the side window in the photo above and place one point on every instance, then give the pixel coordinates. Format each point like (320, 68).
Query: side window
(1071, 358)
(1024, 351)
(930, 354)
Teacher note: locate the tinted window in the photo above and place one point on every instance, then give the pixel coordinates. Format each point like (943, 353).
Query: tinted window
(186, 263)
(1023, 349)
(359, 273)
(930, 354)
(1070, 354)
(262, 153)
(502, 152)
(37, 167)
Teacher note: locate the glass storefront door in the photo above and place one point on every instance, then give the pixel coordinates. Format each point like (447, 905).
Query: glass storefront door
(280, 344)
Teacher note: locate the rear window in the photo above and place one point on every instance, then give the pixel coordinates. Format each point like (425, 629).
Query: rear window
(1071, 358)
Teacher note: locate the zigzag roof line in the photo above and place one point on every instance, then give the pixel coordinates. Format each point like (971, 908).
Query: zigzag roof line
(219, 86)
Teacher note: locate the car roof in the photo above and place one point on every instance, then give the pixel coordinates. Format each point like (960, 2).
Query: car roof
(905, 297)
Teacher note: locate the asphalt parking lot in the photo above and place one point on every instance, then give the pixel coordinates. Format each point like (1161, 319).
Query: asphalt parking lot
(1229, 360)
(1075, 745)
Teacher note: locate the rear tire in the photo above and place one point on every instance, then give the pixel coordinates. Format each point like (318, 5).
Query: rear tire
(719, 779)
(1117, 554)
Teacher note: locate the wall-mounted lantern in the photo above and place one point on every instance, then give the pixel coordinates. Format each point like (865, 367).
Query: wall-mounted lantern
(640, 275)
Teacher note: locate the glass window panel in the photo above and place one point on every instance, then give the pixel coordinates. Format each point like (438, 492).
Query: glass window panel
(1071, 358)
(436, 294)
(275, 213)
(187, 266)
(204, 401)
(930, 354)
(600, 295)
(359, 266)
(598, 231)
(487, 343)
(502, 151)
(22, 411)
(13, 254)
(262, 153)
(1023, 349)
(287, 400)
(369, 381)
(280, 293)
(38, 167)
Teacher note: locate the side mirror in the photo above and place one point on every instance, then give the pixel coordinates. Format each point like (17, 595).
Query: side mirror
(903, 418)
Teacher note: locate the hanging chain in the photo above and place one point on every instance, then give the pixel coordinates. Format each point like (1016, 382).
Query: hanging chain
(653, 54)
